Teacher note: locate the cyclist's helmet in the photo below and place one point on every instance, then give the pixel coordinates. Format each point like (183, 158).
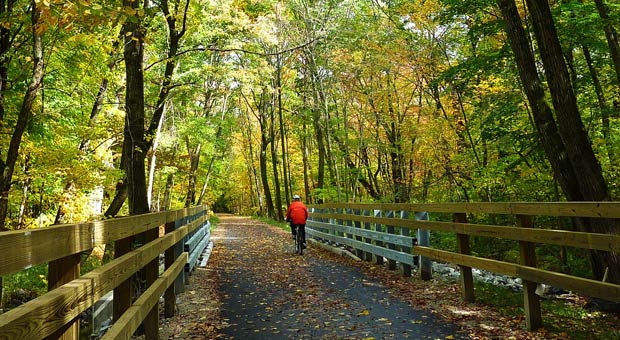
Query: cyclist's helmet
(296, 198)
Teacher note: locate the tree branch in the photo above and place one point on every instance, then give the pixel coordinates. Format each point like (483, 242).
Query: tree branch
(223, 50)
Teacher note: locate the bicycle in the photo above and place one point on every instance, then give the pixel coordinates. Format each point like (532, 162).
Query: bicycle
(299, 241)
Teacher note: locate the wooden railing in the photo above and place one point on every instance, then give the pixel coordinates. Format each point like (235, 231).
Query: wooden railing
(54, 314)
(384, 230)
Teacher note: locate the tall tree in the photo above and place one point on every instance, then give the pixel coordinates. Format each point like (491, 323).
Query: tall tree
(566, 143)
(175, 34)
(134, 145)
(7, 167)
(612, 40)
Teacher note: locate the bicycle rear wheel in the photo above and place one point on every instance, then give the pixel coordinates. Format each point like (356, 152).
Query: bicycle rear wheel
(298, 242)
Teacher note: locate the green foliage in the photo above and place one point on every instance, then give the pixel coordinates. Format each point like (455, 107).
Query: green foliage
(443, 240)
(89, 263)
(506, 301)
(25, 284)
(214, 219)
(325, 195)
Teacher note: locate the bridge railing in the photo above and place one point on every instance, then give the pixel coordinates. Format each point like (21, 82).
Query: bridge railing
(54, 314)
(388, 230)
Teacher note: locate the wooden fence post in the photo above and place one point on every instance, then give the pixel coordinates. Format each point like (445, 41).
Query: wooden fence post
(348, 223)
(122, 292)
(405, 267)
(151, 272)
(424, 241)
(358, 225)
(378, 258)
(531, 301)
(462, 242)
(169, 258)
(390, 230)
(59, 272)
(367, 255)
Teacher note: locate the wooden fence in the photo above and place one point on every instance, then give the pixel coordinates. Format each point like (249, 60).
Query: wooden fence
(54, 315)
(380, 231)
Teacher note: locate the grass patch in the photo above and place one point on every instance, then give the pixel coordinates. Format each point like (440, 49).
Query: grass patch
(214, 219)
(282, 225)
(506, 301)
(561, 316)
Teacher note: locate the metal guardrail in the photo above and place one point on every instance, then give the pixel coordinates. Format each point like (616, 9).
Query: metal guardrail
(196, 244)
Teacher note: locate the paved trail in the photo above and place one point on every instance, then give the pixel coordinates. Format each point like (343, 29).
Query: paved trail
(268, 292)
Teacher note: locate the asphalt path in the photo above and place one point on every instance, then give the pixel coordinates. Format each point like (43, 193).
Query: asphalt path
(269, 292)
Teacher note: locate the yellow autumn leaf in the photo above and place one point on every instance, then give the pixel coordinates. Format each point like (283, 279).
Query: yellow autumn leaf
(364, 312)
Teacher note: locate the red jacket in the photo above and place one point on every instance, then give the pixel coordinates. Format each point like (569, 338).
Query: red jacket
(297, 213)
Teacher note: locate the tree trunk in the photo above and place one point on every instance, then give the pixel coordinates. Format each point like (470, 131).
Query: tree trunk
(396, 149)
(249, 159)
(153, 165)
(6, 10)
(604, 107)
(283, 139)
(218, 152)
(134, 144)
(173, 47)
(194, 161)
(567, 148)
(570, 126)
(21, 217)
(542, 114)
(316, 120)
(8, 167)
(612, 39)
(264, 144)
(168, 192)
(274, 165)
(306, 163)
(363, 181)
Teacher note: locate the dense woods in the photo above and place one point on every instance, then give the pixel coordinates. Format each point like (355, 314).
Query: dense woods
(111, 108)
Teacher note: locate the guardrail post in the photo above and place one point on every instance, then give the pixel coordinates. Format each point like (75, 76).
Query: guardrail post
(462, 242)
(349, 223)
(424, 240)
(179, 283)
(390, 230)
(169, 258)
(320, 219)
(531, 301)
(342, 222)
(405, 267)
(378, 258)
(367, 255)
(358, 225)
(59, 272)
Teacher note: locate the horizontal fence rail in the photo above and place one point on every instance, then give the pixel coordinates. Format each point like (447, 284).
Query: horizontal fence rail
(52, 314)
(399, 233)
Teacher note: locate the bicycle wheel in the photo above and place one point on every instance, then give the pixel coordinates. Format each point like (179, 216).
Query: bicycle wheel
(298, 243)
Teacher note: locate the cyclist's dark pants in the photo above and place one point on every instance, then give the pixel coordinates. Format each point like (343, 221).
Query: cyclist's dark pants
(302, 228)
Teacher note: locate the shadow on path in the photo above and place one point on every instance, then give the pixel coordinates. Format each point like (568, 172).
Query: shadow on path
(268, 292)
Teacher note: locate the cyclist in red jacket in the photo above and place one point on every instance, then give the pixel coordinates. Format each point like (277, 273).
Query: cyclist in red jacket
(297, 214)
